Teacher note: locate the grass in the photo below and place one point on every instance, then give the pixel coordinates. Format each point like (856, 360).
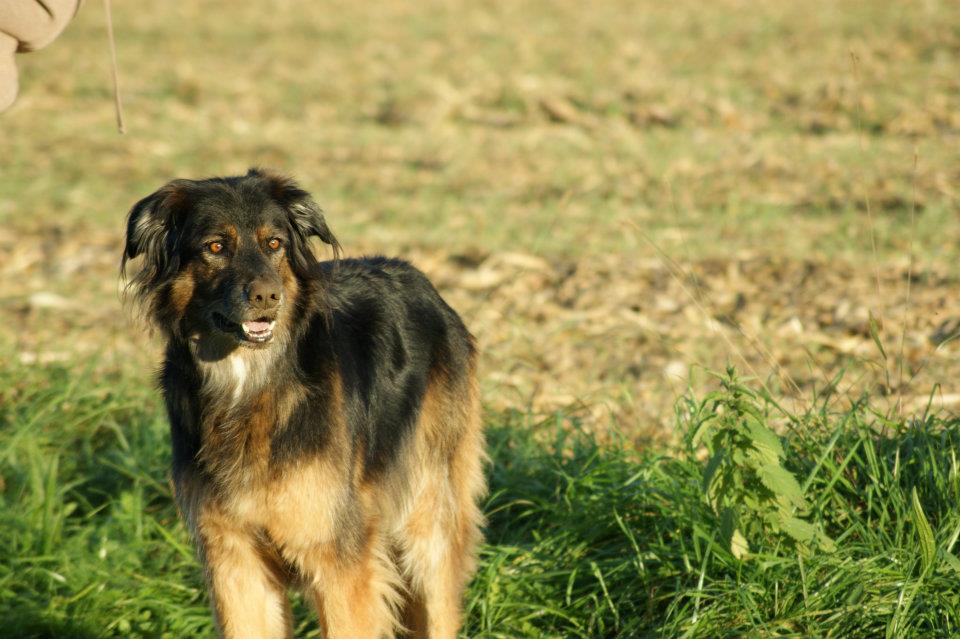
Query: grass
(584, 539)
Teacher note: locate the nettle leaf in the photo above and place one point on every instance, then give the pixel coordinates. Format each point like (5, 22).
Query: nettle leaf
(700, 431)
(718, 441)
(713, 397)
(773, 518)
(748, 409)
(739, 547)
(824, 542)
(738, 457)
(731, 535)
(805, 533)
(798, 529)
(783, 484)
(728, 523)
(765, 441)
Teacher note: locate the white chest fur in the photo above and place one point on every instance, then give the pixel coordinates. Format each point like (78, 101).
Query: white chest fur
(238, 375)
(239, 366)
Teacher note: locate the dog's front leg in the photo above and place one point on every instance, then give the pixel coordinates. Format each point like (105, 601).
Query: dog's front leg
(249, 602)
(356, 594)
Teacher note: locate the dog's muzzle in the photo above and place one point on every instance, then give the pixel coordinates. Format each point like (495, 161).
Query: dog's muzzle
(255, 331)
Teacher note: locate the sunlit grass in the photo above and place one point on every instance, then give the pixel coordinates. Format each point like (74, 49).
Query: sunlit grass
(584, 540)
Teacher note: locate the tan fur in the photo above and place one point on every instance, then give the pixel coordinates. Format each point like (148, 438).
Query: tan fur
(264, 233)
(248, 600)
(372, 556)
(439, 534)
(357, 595)
(181, 292)
(290, 286)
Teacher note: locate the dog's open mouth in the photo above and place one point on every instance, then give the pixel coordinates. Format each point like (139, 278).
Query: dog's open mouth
(258, 331)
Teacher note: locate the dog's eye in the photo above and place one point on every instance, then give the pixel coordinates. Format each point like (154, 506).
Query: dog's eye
(215, 247)
(273, 243)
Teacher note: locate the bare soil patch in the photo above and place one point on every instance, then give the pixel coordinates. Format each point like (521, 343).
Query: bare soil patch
(612, 337)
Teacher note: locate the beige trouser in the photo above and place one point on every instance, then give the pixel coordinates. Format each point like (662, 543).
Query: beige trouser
(28, 25)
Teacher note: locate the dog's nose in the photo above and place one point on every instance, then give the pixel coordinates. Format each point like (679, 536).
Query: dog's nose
(263, 294)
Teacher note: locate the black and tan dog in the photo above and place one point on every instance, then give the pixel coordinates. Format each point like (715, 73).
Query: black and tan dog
(324, 416)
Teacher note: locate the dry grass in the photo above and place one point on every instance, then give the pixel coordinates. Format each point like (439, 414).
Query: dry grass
(514, 150)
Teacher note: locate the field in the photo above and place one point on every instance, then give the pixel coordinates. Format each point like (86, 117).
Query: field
(621, 202)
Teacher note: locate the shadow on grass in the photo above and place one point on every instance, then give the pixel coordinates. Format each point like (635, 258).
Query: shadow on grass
(26, 622)
(567, 518)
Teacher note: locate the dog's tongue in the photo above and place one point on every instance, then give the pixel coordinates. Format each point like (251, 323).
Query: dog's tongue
(256, 327)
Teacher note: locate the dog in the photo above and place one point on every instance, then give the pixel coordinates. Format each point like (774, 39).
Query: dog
(324, 415)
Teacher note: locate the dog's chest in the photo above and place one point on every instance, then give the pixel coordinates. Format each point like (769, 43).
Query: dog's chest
(235, 447)
(299, 500)
(242, 408)
(300, 506)
(237, 377)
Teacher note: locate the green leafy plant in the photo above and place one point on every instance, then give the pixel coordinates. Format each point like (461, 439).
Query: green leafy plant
(745, 482)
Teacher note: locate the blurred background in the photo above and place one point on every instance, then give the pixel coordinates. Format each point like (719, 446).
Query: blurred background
(615, 195)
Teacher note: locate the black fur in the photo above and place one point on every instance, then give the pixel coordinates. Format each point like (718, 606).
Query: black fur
(390, 332)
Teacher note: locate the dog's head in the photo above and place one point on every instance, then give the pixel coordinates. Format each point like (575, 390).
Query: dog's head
(223, 259)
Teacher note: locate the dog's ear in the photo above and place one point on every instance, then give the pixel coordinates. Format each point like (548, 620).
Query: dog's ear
(153, 225)
(303, 214)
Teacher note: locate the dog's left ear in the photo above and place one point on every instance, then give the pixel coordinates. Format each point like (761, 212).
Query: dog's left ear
(304, 215)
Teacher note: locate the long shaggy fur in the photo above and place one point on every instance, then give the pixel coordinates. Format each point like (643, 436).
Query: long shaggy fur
(324, 416)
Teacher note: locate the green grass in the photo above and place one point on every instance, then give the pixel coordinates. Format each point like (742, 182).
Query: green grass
(584, 539)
